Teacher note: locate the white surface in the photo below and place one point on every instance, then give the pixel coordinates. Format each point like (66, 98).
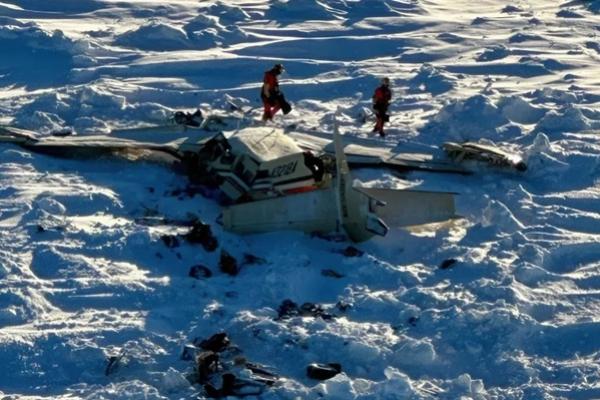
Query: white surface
(515, 318)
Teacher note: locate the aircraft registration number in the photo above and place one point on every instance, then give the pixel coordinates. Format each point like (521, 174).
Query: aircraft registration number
(284, 169)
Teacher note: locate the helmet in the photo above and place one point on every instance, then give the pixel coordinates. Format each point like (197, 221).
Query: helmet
(385, 81)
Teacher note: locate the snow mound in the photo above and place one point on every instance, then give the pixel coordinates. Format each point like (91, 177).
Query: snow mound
(476, 117)
(542, 65)
(94, 98)
(8, 22)
(339, 387)
(568, 13)
(432, 80)
(555, 96)
(173, 381)
(55, 111)
(568, 119)
(132, 389)
(360, 9)
(39, 121)
(202, 22)
(593, 45)
(519, 110)
(397, 384)
(230, 103)
(54, 102)
(209, 38)
(146, 111)
(206, 32)
(510, 8)
(541, 144)
(466, 387)
(450, 37)
(414, 352)
(480, 21)
(85, 109)
(541, 162)
(228, 14)
(28, 44)
(492, 53)
(499, 216)
(21, 306)
(298, 10)
(51, 206)
(531, 275)
(31, 35)
(155, 35)
(90, 126)
(524, 37)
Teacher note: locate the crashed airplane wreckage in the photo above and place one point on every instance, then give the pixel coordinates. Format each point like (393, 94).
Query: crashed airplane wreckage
(275, 181)
(486, 153)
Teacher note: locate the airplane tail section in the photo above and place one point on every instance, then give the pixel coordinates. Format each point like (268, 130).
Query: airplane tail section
(355, 208)
(403, 208)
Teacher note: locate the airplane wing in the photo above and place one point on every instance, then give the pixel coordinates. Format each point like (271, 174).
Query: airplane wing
(93, 145)
(368, 153)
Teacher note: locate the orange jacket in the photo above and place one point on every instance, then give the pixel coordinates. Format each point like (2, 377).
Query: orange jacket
(382, 95)
(271, 80)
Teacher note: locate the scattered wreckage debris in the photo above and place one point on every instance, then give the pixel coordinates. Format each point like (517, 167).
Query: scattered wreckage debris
(486, 153)
(200, 233)
(171, 241)
(429, 389)
(269, 180)
(343, 306)
(288, 309)
(115, 362)
(228, 264)
(352, 251)
(217, 342)
(448, 263)
(222, 370)
(323, 372)
(411, 321)
(190, 119)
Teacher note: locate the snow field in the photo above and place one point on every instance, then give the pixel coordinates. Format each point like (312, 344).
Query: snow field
(85, 275)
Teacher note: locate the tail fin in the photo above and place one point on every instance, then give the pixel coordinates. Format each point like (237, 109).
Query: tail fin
(354, 208)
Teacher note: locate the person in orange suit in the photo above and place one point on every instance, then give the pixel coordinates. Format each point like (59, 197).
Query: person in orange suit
(381, 103)
(270, 93)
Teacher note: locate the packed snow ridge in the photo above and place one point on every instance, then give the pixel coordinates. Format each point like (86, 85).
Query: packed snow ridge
(101, 296)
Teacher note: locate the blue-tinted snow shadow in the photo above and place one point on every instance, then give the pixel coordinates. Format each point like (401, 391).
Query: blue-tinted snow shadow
(51, 361)
(32, 68)
(241, 77)
(333, 49)
(58, 6)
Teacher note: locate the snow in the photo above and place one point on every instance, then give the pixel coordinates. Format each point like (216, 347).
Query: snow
(86, 274)
(155, 35)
